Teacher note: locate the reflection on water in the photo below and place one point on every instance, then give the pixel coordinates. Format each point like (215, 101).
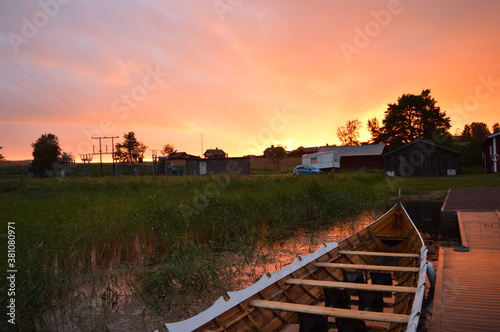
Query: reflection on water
(120, 306)
(277, 255)
(426, 215)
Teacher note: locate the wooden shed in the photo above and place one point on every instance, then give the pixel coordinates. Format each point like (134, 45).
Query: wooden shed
(421, 158)
(218, 166)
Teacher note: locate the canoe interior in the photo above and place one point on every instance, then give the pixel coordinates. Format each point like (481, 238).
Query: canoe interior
(392, 233)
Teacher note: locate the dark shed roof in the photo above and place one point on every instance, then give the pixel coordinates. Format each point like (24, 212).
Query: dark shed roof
(420, 141)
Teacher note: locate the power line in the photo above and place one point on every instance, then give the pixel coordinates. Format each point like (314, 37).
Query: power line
(40, 98)
(40, 110)
(46, 87)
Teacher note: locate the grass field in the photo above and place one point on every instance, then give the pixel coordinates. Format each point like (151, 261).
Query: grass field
(167, 229)
(169, 236)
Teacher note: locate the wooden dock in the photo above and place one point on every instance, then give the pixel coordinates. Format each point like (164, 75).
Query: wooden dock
(467, 296)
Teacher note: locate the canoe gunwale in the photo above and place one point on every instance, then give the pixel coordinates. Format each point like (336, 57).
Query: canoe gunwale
(222, 305)
(348, 247)
(419, 295)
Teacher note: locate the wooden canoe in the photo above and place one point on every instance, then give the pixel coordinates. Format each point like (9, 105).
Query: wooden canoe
(375, 279)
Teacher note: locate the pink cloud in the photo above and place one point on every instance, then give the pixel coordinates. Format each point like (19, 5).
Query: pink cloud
(228, 71)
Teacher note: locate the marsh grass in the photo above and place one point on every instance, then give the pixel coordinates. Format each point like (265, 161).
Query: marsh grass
(76, 236)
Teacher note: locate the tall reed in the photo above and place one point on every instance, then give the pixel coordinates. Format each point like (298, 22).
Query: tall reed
(175, 230)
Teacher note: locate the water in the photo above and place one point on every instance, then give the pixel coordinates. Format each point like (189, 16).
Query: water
(426, 215)
(277, 255)
(131, 313)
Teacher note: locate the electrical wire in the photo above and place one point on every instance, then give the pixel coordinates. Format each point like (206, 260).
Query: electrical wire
(40, 110)
(45, 86)
(40, 98)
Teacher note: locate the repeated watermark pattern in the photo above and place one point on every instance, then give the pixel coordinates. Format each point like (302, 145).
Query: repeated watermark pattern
(364, 34)
(278, 122)
(416, 158)
(127, 101)
(201, 199)
(30, 27)
(122, 106)
(484, 89)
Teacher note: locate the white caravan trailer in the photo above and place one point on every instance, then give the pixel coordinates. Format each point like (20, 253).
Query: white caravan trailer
(321, 160)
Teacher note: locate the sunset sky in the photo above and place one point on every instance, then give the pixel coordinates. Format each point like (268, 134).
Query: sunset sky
(239, 75)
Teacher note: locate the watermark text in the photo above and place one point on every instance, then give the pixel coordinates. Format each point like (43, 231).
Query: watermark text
(11, 272)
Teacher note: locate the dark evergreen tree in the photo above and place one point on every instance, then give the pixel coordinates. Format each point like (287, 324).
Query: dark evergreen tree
(476, 130)
(495, 128)
(412, 117)
(130, 150)
(45, 152)
(470, 147)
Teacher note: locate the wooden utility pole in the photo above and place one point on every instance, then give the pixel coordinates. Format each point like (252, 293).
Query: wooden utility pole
(112, 150)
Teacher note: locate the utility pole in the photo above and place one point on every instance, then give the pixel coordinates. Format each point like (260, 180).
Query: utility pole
(101, 153)
(154, 154)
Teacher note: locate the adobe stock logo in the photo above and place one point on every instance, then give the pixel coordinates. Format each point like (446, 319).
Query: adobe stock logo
(31, 27)
(372, 29)
(123, 105)
(484, 89)
(277, 123)
(223, 6)
(139, 92)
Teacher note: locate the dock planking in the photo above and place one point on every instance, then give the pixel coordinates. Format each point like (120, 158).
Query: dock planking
(467, 294)
(480, 229)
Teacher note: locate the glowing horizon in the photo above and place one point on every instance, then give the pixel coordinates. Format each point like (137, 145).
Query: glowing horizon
(244, 74)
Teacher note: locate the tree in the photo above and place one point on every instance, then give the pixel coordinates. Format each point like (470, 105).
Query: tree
(476, 130)
(1, 155)
(472, 135)
(45, 152)
(130, 150)
(349, 135)
(412, 117)
(495, 128)
(278, 153)
(373, 126)
(168, 149)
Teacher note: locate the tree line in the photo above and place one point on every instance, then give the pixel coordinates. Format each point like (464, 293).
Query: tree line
(412, 117)
(46, 151)
(415, 117)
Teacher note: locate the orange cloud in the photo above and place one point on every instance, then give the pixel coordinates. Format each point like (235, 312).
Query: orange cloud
(228, 73)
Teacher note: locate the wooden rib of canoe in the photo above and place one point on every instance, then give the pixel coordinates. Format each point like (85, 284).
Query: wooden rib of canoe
(390, 249)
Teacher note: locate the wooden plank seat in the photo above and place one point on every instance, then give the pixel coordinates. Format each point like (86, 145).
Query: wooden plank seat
(332, 312)
(377, 253)
(369, 267)
(350, 285)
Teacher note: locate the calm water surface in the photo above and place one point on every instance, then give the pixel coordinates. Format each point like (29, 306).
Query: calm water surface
(424, 213)
(130, 313)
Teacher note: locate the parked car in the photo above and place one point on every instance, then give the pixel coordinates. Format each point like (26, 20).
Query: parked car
(302, 169)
